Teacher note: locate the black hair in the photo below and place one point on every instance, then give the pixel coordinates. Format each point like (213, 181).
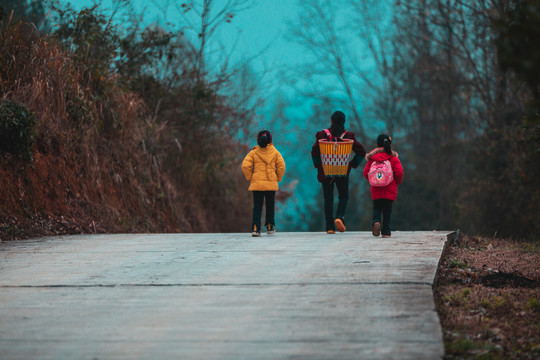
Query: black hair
(264, 138)
(338, 123)
(385, 141)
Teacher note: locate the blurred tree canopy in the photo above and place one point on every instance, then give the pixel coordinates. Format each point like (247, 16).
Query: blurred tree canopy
(517, 37)
(458, 93)
(517, 30)
(29, 10)
(468, 61)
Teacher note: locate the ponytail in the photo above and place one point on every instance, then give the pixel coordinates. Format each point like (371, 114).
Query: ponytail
(385, 142)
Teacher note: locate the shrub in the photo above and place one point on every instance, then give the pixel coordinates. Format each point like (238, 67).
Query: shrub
(534, 304)
(17, 128)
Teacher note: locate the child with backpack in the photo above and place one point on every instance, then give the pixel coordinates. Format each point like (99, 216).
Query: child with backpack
(384, 173)
(263, 167)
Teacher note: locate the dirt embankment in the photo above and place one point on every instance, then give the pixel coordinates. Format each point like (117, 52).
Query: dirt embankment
(51, 196)
(488, 299)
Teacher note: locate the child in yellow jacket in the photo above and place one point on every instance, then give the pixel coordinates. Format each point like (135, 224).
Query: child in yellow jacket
(264, 168)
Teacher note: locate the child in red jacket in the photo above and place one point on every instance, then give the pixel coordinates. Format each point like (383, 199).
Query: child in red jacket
(383, 193)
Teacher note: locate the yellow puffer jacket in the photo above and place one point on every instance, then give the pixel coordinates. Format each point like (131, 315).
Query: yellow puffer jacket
(264, 168)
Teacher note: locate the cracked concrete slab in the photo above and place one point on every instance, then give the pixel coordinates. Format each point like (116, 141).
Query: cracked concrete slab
(221, 296)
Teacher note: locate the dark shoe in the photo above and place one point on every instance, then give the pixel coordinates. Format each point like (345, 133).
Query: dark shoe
(270, 229)
(256, 231)
(340, 225)
(376, 229)
(330, 227)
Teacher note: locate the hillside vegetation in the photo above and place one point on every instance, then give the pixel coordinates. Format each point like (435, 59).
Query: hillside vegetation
(124, 134)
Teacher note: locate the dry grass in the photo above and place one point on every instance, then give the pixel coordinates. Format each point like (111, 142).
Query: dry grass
(103, 162)
(488, 299)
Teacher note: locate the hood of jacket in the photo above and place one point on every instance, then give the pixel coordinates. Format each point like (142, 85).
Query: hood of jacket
(382, 156)
(263, 168)
(266, 154)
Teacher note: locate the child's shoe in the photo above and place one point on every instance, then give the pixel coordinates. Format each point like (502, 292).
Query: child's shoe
(340, 225)
(330, 226)
(270, 229)
(386, 235)
(376, 229)
(256, 231)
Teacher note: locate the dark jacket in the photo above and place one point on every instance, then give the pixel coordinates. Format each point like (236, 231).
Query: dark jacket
(358, 149)
(390, 191)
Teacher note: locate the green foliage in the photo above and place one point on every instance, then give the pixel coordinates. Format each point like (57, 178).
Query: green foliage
(91, 38)
(534, 304)
(79, 109)
(458, 298)
(495, 302)
(12, 230)
(17, 129)
(474, 350)
(32, 11)
(456, 263)
(462, 346)
(151, 51)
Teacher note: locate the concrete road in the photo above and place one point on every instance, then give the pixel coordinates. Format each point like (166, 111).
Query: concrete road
(221, 296)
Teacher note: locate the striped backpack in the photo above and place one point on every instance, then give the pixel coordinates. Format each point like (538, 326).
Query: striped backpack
(335, 154)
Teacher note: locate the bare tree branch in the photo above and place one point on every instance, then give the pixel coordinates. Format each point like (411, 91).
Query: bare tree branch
(317, 32)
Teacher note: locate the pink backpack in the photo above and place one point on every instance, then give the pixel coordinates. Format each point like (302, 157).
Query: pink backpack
(380, 173)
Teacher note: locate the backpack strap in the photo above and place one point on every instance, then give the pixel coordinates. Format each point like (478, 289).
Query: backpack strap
(329, 135)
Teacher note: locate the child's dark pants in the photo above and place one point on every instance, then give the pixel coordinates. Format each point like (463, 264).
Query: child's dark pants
(383, 206)
(258, 198)
(342, 184)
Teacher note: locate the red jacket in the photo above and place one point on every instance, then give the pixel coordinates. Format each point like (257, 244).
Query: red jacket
(358, 149)
(390, 191)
